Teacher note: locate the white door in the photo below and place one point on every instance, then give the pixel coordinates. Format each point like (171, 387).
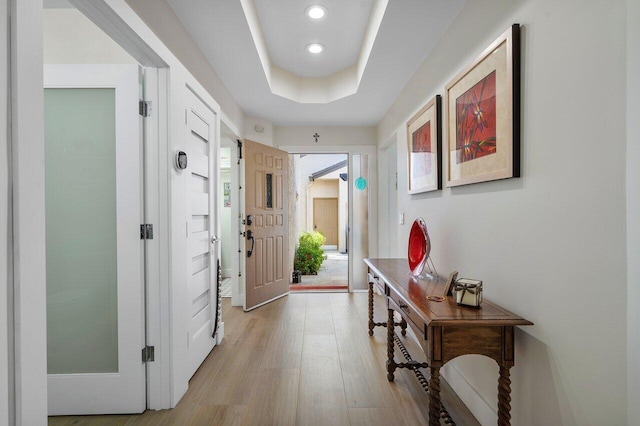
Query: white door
(95, 322)
(202, 255)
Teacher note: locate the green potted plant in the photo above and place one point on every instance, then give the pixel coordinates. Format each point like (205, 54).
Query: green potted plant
(309, 255)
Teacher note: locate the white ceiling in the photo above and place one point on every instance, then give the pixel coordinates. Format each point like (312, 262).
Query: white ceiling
(287, 30)
(408, 32)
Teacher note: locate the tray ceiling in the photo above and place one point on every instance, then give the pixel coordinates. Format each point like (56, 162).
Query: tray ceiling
(271, 76)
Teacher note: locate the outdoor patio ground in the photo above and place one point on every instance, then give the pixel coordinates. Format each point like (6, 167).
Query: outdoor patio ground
(332, 276)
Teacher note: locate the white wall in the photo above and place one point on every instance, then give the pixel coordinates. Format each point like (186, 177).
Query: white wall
(387, 169)
(71, 38)
(162, 20)
(265, 137)
(550, 246)
(633, 211)
(6, 366)
(329, 136)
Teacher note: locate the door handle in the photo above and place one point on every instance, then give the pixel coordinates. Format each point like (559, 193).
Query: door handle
(214, 239)
(253, 242)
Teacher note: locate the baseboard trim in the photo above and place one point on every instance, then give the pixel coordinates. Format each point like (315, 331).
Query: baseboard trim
(220, 333)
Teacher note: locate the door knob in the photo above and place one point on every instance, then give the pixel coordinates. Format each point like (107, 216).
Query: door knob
(214, 239)
(253, 242)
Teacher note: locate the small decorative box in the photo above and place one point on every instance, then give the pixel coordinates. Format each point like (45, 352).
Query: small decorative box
(468, 292)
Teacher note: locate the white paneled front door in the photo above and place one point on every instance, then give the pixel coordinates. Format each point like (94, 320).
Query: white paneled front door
(95, 305)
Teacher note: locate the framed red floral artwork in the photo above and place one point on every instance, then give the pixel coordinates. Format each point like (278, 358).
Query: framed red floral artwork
(424, 148)
(483, 115)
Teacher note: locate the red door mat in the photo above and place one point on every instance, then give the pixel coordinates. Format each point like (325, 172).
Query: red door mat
(295, 287)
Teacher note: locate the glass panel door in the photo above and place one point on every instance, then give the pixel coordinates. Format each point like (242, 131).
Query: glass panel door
(82, 311)
(94, 254)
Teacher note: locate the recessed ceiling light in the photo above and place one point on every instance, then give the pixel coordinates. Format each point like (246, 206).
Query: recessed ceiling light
(316, 11)
(315, 48)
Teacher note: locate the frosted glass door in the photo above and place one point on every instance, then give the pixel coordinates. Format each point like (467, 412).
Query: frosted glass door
(94, 255)
(82, 310)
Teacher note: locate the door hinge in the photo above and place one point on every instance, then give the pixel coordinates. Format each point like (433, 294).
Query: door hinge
(148, 354)
(146, 231)
(144, 108)
(239, 142)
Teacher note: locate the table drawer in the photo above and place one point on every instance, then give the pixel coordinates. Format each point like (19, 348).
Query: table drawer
(372, 278)
(408, 314)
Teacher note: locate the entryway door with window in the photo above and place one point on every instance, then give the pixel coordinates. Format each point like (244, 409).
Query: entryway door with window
(267, 223)
(94, 254)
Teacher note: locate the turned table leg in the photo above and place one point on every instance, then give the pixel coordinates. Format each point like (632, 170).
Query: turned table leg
(504, 397)
(434, 397)
(371, 323)
(391, 365)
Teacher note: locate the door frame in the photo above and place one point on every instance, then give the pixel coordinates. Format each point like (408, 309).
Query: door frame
(28, 287)
(157, 298)
(371, 151)
(229, 140)
(7, 368)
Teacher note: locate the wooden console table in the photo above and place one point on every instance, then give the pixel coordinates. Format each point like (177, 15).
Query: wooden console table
(444, 330)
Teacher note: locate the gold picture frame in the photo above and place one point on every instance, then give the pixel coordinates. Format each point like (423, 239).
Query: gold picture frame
(424, 148)
(483, 115)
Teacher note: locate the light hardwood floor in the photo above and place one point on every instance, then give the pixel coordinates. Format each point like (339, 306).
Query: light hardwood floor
(305, 359)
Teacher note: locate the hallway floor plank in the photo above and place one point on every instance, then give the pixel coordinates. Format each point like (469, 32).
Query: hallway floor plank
(305, 359)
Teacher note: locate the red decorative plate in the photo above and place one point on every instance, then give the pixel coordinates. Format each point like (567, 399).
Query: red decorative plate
(419, 246)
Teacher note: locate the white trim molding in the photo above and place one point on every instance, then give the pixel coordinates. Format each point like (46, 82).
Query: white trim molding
(27, 136)
(7, 368)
